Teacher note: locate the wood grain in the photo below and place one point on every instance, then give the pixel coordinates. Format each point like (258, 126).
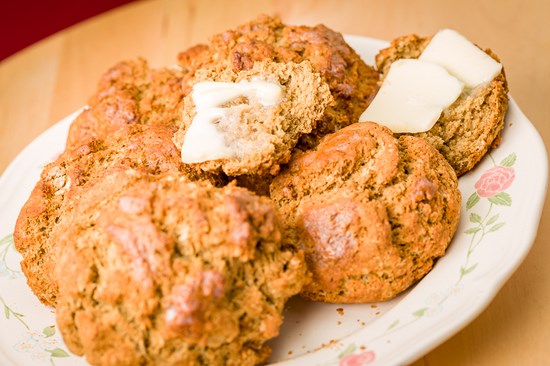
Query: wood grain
(51, 79)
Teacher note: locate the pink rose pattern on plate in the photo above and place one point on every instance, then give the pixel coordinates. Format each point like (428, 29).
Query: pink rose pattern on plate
(494, 181)
(359, 359)
(348, 358)
(491, 185)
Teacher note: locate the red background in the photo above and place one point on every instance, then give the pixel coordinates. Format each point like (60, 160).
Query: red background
(24, 22)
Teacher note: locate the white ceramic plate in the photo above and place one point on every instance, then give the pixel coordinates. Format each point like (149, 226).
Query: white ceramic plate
(502, 203)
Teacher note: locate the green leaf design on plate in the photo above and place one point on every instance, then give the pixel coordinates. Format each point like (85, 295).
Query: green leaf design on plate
(472, 200)
(509, 160)
(7, 245)
(475, 218)
(496, 227)
(8, 312)
(58, 352)
(420, 312)
(49, 331)
(6, 239)
(394, 324)
(472, 230)
(492, 220)
(465, 271)
(349, 350)
(502, 199)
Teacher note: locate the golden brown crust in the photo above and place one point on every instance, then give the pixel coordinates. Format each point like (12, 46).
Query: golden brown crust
(372, 212)
(351, 81)
(130, 93)
(409, 46)
(169, 272)
(134, 148)
(472, 125)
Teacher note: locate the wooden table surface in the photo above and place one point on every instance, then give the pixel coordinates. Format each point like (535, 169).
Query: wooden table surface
(51, 79)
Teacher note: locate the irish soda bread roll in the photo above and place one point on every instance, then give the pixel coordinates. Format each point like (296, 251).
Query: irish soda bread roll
(169, 272)
(372, 212)
(62, 183)
(351, 81)
(129, 93)
(468, 128)
(261, 136)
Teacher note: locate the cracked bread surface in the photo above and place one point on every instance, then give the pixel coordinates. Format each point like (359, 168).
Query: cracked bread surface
(138, 148)
(263, 137)
(351, 81)
(472, 124)
(172, 272)
(129, 93)
(372, 212)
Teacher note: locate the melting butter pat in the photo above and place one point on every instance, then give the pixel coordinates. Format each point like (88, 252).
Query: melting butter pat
(210, 94)
(461, 58)
(203, 140)
(412, 96)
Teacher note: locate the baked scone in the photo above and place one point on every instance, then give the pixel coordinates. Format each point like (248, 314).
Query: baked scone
(472, 124)
(169, 272)
(372, 212)
(261, 137)
(130, 93)
(351, 81)
(62, 183)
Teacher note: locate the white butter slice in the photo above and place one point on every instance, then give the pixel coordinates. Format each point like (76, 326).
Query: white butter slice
(461, 58)
(213, 94)
(267, 93)
(203, 140)
(412, 96)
